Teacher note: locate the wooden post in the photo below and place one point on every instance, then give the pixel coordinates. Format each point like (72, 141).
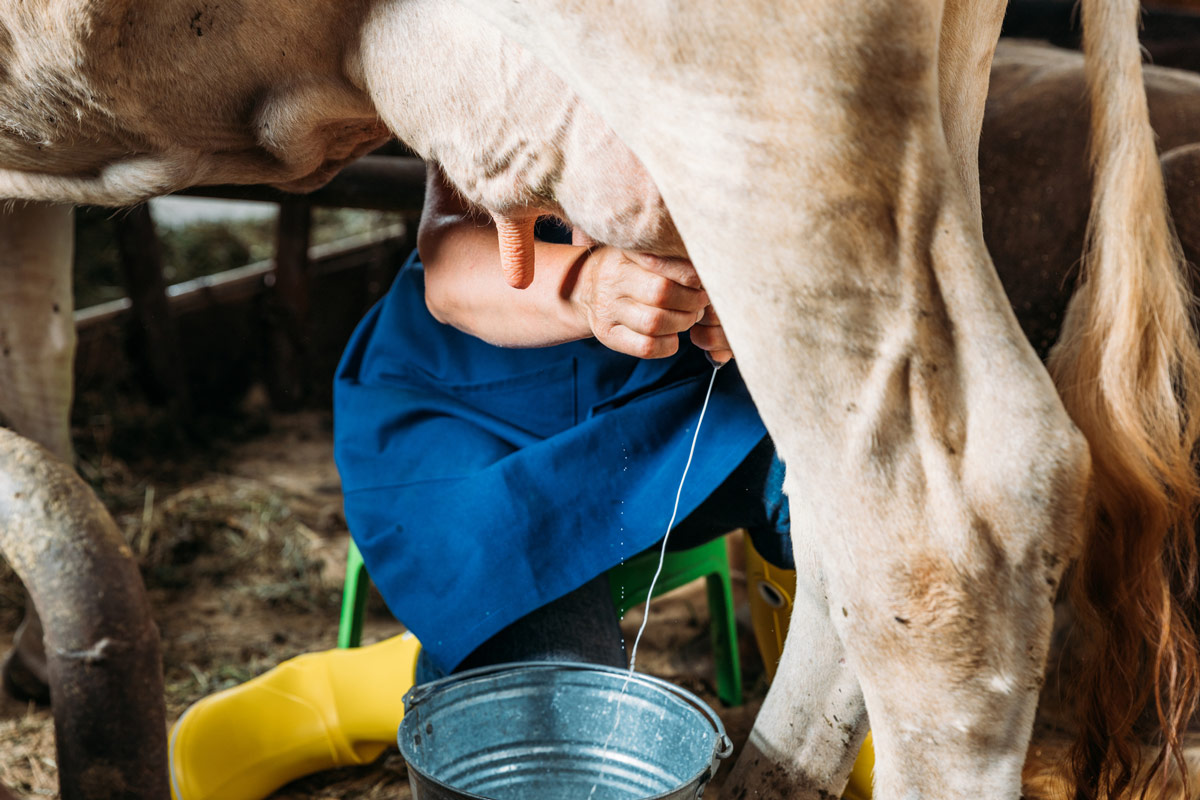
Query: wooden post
(154, 337)
(290, 334)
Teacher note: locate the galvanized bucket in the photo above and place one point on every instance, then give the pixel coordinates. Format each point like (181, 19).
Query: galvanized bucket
(558, 731)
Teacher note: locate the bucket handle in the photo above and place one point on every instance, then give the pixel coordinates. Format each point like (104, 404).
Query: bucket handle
(418, 694)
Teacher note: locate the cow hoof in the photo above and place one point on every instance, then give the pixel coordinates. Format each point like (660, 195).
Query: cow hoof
(23, 682)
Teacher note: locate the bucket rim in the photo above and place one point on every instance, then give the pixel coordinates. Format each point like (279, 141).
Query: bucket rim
(415, 696)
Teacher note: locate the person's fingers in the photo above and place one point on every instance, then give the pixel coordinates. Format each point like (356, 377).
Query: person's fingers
(650, 320)
(709, 336)
(719, 355)
(654, 290)
(677, 270)
(710, 317)
(630, 342)
(638, 310)
(581, 239)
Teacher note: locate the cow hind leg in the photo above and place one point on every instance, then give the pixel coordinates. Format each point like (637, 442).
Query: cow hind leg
(37, 351)
(932, 469)
(944, 493)
(968, 481)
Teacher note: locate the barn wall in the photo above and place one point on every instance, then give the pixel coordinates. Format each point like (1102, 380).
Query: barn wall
(225, 323)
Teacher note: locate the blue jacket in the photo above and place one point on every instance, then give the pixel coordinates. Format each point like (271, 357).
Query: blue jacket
(482, 482)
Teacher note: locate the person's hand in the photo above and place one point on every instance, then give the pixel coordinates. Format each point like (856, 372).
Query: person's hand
(636, 303)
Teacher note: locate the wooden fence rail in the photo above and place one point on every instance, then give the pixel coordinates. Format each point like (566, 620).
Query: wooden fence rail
(381, 183)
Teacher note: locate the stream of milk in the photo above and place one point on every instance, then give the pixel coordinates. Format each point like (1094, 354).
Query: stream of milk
(662, 554)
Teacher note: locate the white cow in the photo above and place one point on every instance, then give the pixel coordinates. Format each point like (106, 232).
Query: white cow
(818, 159)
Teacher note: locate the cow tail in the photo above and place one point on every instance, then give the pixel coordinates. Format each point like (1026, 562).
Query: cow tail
(1128, 368)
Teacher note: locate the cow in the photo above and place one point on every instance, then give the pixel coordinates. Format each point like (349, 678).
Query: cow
(918, 397)
(818, 161)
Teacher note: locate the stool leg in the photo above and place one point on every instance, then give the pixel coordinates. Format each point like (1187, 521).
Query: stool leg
(354, 599)
(723, 625)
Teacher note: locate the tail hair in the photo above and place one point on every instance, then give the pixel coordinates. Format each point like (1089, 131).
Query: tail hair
(1128, 368)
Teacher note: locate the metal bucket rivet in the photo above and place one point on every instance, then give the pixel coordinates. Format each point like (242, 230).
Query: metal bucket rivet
(545, 730)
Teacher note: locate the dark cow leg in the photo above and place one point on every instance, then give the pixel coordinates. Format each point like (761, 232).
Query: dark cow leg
(104, 659)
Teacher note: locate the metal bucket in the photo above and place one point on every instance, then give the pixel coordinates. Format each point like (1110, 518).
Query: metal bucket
(558, 731)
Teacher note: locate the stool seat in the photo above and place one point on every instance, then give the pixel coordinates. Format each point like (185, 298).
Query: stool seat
(630, 585)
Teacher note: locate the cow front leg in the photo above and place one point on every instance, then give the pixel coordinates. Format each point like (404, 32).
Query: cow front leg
(813, 722)
(37, 354)
(37, 327)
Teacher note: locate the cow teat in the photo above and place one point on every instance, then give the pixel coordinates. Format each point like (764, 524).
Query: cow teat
(515, 233)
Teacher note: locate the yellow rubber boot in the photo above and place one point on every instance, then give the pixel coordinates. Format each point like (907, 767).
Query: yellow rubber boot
(314, 712)
(771, 590)
(862, 774)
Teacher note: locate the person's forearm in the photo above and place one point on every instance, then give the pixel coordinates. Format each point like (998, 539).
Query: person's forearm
(633, 303)
(464, 286)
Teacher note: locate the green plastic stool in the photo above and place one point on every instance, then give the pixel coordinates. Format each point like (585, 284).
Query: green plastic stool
(630, 584)
(354, 599)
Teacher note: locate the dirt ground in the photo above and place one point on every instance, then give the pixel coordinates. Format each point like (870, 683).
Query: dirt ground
(242, 547)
